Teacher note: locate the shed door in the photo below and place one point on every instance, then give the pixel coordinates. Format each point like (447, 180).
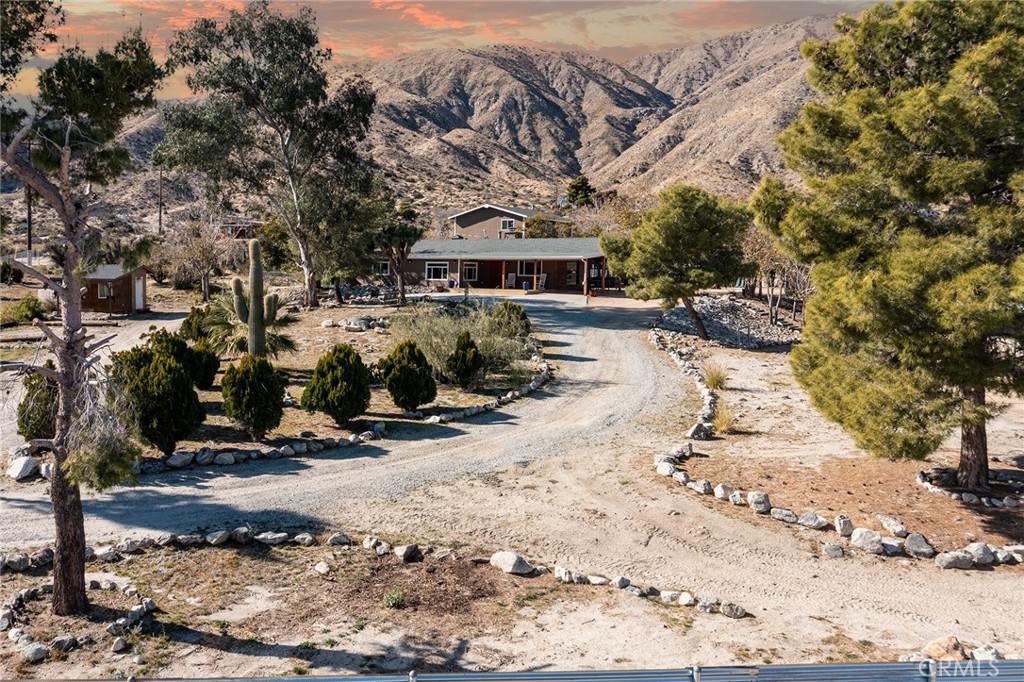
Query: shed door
(140, 302)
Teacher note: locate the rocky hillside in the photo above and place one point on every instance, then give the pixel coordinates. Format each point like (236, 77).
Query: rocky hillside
(514, 124)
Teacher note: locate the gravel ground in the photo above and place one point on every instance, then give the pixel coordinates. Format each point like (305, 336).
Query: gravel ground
(586, 406)
(566, 477)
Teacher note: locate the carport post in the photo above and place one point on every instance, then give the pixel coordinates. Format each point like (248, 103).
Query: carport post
(586, 277)
(536, 268)
(504, 277)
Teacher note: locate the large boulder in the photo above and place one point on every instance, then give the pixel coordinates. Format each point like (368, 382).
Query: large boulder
(784, 515)
(180, 459)
(759, 502)
(867, 540)
(22, 468)
(409, 553)
(812, 520)
(982, 553)
(510, 562)
(916, 545)
(959, 559)
(945, 649)
(892, 525)
(35, 652)
(271, 538)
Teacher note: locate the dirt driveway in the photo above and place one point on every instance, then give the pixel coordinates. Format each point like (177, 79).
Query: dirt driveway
(566, 477)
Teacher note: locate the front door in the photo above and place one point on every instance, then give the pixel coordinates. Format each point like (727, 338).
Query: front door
(570, 274)
(140, 289)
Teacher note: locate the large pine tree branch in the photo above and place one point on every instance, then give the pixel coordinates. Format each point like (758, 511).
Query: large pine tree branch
(29, 368)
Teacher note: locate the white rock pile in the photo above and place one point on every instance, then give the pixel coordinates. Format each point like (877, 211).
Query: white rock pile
(730, 322)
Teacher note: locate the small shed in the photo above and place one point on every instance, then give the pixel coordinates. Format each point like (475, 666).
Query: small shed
(112, 289)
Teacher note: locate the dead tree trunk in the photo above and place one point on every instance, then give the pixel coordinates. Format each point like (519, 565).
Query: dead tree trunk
(972, 472)
(309, 286)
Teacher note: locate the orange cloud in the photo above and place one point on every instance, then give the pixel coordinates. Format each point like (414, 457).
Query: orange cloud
(419, 12)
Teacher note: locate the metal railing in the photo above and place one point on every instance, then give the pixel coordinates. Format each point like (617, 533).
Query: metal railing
(925, 671)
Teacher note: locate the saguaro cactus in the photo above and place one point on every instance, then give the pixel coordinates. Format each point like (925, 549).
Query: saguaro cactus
(259, 310)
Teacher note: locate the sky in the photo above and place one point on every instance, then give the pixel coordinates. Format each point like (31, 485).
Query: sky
(371, 29)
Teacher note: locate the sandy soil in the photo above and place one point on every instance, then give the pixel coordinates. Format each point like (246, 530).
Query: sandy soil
(567, 478)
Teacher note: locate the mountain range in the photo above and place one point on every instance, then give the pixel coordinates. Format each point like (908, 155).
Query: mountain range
(509, 124)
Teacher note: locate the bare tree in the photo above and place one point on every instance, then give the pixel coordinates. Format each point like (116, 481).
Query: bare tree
(200, 247)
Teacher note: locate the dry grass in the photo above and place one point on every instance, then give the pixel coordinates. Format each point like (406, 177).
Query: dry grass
(725, 419)
(715, 375)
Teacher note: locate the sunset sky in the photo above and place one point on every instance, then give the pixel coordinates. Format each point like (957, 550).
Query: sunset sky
(361, 29)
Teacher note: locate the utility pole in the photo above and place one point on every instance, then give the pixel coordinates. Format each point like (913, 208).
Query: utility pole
(28, 217)
(160, 204)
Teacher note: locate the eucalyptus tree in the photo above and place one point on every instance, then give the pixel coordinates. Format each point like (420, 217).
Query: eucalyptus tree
(267, 125)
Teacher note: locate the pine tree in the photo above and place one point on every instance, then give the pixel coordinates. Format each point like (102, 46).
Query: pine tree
(254, 395)
(693, 240)
(465, 363)
(340, 386)
(408, 376)
(913, 217)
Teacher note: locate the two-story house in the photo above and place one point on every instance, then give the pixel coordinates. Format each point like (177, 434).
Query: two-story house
(488, 221)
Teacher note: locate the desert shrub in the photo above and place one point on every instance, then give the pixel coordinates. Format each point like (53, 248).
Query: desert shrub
(193, 327)
(435, 330)
(725, 419)
(24, 310)
(394, 599)
(254, 395)
(509, 319)
(408, 376)
(10, 274)
(463, 366)
(205, 364)
(159, 390)
(715, 375)
(173, 346)
(340, 387)
(37, 410)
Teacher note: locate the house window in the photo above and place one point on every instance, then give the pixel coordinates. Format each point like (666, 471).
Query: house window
(469, 271)
(437, 271)
(527, 268)
(508, 224)
(382, 268)
(105, 290)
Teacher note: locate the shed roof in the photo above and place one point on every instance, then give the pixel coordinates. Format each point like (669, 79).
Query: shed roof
(521, 212)
(569, 248)
(106, 273)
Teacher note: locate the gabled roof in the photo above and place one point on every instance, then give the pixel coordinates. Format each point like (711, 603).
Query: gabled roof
(569, 248)
(523, 213)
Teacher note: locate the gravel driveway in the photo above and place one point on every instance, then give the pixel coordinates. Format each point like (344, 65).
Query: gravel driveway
(604, 379)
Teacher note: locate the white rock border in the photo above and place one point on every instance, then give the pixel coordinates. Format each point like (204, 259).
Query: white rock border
(669, 465)
(902, 544)
(971, 499)
(704, 427)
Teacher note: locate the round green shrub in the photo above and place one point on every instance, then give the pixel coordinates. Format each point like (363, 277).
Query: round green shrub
(464, 364)
(193, 327)
(172, 345)
(205, 364)
(254, 395)
(160, 392)
(509, 319)
(23, 310)
(408, 376)
(37, 411)
(340, 387)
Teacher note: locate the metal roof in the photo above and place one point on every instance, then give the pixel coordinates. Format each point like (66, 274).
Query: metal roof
(521, 212)
(107, 272)
(569, 248)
